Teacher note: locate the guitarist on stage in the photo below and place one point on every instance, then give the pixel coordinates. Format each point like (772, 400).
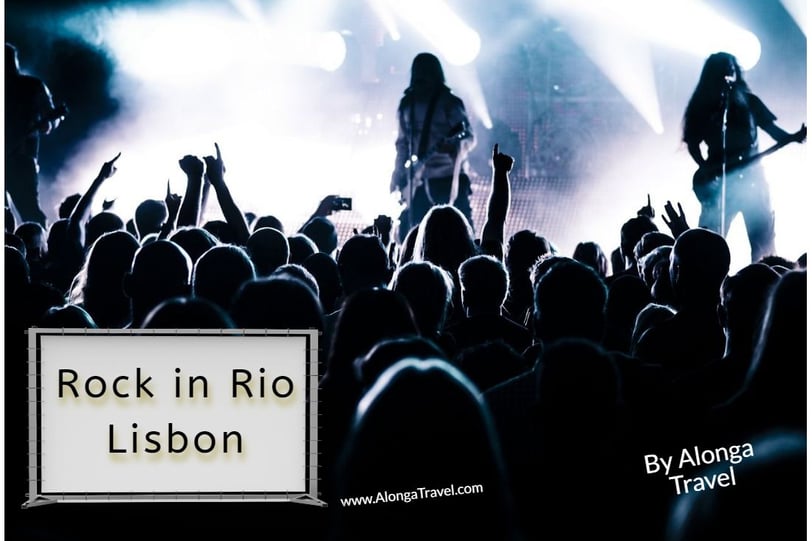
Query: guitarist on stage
(725, 116)
(433, 142)
(30, 113)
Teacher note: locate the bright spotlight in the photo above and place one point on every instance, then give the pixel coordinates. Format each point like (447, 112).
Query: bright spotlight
(331, 50)
(688, 25)
(797, 10)
(457, 42)
(623, 56)
(386, 17)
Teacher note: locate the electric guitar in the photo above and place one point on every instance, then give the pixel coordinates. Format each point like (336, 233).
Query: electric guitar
(707, 179)
(416, 166)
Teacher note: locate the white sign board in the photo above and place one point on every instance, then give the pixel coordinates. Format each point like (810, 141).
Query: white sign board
(173, 415)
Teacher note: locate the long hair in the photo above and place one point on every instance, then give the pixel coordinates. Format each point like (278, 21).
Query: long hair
(709, 91)
(426, 78)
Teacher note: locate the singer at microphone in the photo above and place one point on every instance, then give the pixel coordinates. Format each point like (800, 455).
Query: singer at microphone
(729, 132)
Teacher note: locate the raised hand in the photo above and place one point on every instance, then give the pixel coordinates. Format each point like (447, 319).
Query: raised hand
(108, 169)
(800, 135)
(215, 168)
(648, 210)
(382, 226)
(191, 165)
(326, 206)
(501, 162)
(675, 221)
(172, 201)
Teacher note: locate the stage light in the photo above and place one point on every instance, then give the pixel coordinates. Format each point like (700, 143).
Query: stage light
(325, 50)
(687, 25)
(627, 64)
(798, 11)
(465, 80)
(386, 17)
(617, 36)
(454, 39)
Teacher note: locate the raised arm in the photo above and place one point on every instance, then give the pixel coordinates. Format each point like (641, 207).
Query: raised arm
(325, 208)
(215, 172)
(782, 136)
(493, 231)
(173, 203)
(189, 214)
(675, 221)
(80, 213)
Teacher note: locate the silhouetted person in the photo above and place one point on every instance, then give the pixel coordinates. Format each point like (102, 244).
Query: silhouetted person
(29, 114)
(278, 302)
(35, 238)
(390, 351)
(631, 232)
(490, 363)
(423, 425)
(578, 421)
(484, 286)
(268, 220)
(725, 115)
(367, 317)
(301, 246)
(591, 254)
(700, 260)
(68, 316)
(742, 306)
(627, 296)
(98, 287)
(428, 289)
(149, 216)
(363, 263)
(524, 248)
(67, 205)
(220, 272)
(446, 239)
(299, 272)
(570, 302)
(774, 392)
(325, 270)
(101, 223)
(769, 499)
(433, 127)
(160, 270)
(188, 313)
(194, 240)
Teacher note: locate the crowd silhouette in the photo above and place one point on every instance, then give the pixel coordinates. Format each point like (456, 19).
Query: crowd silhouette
(458, 356)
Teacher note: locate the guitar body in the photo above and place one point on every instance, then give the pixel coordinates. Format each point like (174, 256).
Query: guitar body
(706, 187)
(707, 181)
(416, 166)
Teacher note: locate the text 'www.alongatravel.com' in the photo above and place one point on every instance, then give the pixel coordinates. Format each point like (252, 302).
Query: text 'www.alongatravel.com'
(421, 493)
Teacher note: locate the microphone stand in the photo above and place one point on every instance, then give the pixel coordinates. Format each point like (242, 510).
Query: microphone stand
(728, 90)
(410, 169)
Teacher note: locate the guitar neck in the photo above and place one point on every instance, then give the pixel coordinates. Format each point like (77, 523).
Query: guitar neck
(755, 157)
